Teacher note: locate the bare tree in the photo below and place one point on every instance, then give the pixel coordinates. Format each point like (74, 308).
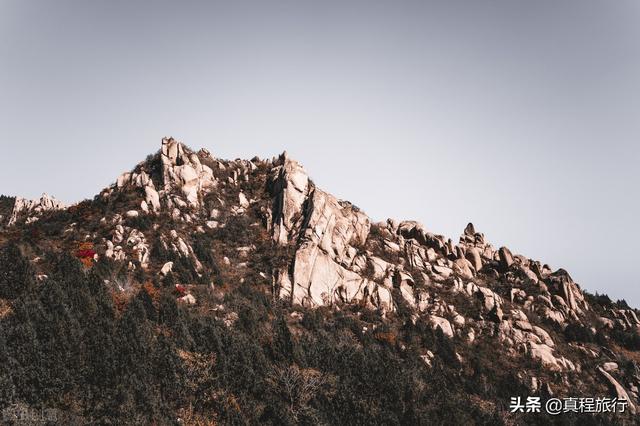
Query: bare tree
(298, 386)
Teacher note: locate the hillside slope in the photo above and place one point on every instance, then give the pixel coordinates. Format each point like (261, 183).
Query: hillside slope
(199, 290)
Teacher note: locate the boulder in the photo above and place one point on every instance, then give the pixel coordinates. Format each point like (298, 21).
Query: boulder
(379, 267)
(187, 299)
(544, 354)
(166, 268)
(505, 257)
(123, 179)
(139, 246)
(606, 322)
(554, 315)
(462, 268)
(427, 358)
(617, 388)
(414, 230)
(405, 283)
(442, 271)
(326, 250)
(470, 230)
(242, 199)
(544, 336)
(459, 321)
(391, 246)
(517, 295)
(317, 277)
(528, 273)
(489, 298)
(560, 283)
(443, 324)
(152, 197)
(473, 256)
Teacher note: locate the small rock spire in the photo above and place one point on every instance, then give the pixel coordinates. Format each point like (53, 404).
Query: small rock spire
(470, 230)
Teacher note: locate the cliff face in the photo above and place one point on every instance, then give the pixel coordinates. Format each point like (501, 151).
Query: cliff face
(205, 225)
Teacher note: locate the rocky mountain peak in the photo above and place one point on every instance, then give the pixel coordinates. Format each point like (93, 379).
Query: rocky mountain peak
(204, 224)
(182, 170)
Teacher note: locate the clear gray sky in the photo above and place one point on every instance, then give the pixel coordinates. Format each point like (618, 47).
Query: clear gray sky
(521, 116)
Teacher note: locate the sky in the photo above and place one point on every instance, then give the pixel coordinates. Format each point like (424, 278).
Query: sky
(522, 117)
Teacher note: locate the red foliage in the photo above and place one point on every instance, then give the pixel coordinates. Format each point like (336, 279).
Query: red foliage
(85, 253)
(181, 289)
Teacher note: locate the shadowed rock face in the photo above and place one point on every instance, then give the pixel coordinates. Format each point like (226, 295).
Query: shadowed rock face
(289, 186)
(336, 256)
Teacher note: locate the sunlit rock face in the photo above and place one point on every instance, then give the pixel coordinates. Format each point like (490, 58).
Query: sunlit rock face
(32, 209)
(327, 233)
(183, 171)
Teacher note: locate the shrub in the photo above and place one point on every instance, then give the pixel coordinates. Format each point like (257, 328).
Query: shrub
(578, 333)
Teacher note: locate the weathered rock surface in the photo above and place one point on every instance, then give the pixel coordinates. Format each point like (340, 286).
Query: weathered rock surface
(442, 324)
(166, 268)
(620, 392)
(183, 170)
(329, 232)
(31, 209)
(289, 185)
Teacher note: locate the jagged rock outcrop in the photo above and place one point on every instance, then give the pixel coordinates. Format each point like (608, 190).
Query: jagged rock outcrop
(289, 185)
(184, 179)
(327, 232)
(182, 170)
(333, 261)
(31, 209)
(442, 324)
(561, 283)
(166, 268)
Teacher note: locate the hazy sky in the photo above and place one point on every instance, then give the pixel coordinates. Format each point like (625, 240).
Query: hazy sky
(521, 116)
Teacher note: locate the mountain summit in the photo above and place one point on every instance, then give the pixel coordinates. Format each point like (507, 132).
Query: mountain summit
(187, 258)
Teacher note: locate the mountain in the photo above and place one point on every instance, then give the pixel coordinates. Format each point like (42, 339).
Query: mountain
(197, 290)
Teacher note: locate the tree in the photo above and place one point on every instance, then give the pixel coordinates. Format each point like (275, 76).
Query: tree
(16, 274)
(297, 387)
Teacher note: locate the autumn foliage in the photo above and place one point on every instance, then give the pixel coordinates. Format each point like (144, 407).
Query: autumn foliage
(86, 254)
(152, 291)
